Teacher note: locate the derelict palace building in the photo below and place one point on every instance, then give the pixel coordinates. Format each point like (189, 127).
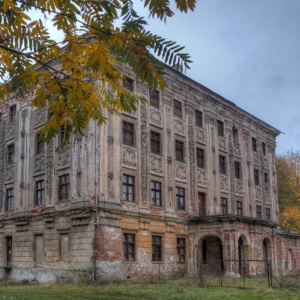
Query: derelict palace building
(189, 176)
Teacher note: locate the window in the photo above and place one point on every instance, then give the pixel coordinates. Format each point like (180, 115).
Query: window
(129, 246)
(220, 128)
(199, 118)
(268, 214)
(40, 192)
(180, 198)
(224, 206)
(39, 145)
(127, 132)
(266, 180)
(222, 163)
(12, 113)
(155, 193)
(154, 99)
(10, 199)
(263, 146)
(181, 250)
(258, 212)
(254, 145)
(235, 136)
(128, 188)
(202, 204)
(128, 84)
(156, 248)
(62, 134)
(64, 185)
(10, 153)
(256, 177)
(177, 109)
(179, 146)
(237, 169)
(155, 142)
(239, 208)
(200, 158)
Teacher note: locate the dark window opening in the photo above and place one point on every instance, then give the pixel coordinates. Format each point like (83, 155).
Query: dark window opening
(40, 192)
(181, 250)
(200, 158)
(128, 84)
(62, 134)
(222, 163)
(128, 188)
(39, 145)
(235, 136)
(179, 150)
(64, 186)
(268, 214)
(127, 133)
(204, 251)
(129, 246)
(254, 145)
(263, 146)
(258, 212)
(10, 199)
(220, 128)
(180, 198)
(239, 208)
(199, 118)
(12, 113)
(155, 142)
(224, 210)
(156, 193)
(10, 153)
(266, 180)
(256, 177)
(201, 203)
(177, 109)
(237, 169)
(156, 248)
(154, 99)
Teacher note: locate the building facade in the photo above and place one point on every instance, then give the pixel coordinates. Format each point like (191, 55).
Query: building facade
(188, 177)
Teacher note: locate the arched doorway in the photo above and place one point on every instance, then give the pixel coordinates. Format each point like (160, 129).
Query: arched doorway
(267, 256)
(211, 255)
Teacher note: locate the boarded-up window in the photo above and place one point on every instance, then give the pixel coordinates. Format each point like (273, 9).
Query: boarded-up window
(181, 250)
(179, 150)
(155, 142)
(129, 246)
(64, 247)
(156, 248)
(154, 99)
(199, 118)
(127, 132)
(177, 109)
(39, 249)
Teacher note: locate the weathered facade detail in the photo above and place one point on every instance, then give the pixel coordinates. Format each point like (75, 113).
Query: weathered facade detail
(188, 183)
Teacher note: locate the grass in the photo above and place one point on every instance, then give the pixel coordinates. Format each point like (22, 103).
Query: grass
(181, 289)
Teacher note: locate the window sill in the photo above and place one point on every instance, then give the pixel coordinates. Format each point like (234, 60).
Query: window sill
(128, 202)
(156, 206)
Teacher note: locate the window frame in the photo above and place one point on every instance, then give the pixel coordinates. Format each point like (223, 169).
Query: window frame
(222, 164)
(237, 170)
(63, 185)
(268, 214)
(266, 181)
(258, 212)
(224, 206)
(199, 118)
(126, 245)
(239, 208)
(10, 153)
(264, 148)
(181, 247)
(155, 137)
(220, 127)
(154, 101)
(155, 191)
(156, 246)
(200, 164)
(39, 145)
(40, 190)
(254, 144)
(235, 135)
(128, 184)
(179, 197)
(177, 111)
(181, 148)
(12, 113)
(127, 131)
(9, 205)
(128, 84)
(256, 177)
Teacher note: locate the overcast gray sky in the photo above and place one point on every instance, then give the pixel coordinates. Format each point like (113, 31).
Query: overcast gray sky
(248, 51)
